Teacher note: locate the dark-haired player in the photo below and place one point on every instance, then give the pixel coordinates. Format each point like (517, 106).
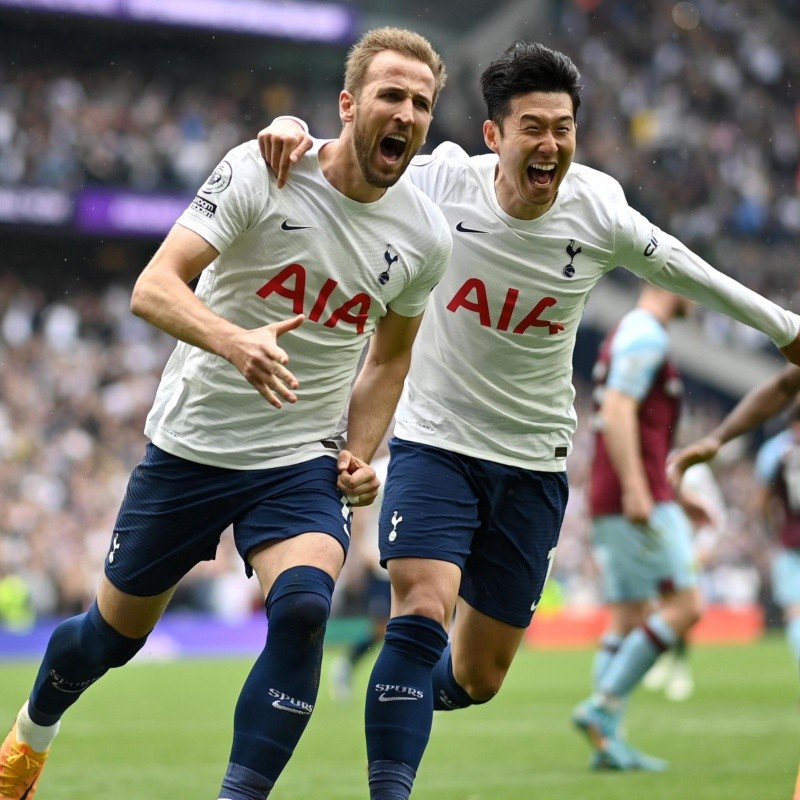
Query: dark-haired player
(476, 486)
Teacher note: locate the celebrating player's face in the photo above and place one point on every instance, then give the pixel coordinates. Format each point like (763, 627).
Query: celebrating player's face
(536, 146)
(391, 116)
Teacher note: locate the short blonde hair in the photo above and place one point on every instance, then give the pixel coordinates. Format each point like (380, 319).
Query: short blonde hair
(399, 40)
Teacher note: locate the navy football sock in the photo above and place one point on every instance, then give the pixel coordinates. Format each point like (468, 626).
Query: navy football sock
(81, 650)
(399, 706)
(447, 694)
(278, 696)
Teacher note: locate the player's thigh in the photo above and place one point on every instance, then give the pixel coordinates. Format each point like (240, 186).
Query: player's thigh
(429, 508)
(482, 645)
(424, 587)
(171, 518)
(513, 550)
(129, 615)
(302, 519)
(318, 550)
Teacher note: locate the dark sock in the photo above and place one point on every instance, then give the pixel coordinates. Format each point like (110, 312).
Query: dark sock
(81, 650)
(278, 697)
(447, 694)
(399, 706)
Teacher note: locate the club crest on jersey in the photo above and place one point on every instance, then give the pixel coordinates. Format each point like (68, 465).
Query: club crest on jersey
(572, 251)
(383, 278)
(219, 180)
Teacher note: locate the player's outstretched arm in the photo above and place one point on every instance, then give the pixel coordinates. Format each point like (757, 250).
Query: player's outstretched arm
(162, 296)
(283, 143)
(756, 407)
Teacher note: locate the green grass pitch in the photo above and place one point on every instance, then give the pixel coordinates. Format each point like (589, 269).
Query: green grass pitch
(160, 731)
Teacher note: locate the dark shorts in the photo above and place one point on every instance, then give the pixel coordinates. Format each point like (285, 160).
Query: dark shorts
(499, 523)
(174, 512)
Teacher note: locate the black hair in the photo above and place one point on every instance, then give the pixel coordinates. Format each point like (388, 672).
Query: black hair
(528, 67)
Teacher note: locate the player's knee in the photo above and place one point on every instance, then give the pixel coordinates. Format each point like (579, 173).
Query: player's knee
(102, 645)
(482, 687)
(301, 597)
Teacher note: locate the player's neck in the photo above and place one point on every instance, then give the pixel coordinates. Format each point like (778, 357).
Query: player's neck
(340, 168)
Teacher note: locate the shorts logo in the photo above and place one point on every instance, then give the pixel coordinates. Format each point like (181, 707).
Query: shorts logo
(219, 180)
(396, 520)
(204, 207)
(114, 548)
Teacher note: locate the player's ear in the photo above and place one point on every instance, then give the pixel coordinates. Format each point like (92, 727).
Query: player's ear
(347, 104)
(490, 135)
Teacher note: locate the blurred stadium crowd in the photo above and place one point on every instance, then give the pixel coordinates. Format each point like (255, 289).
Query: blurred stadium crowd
(696, 120)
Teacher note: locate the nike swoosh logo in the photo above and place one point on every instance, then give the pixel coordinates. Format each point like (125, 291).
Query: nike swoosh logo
(384, 698)
(461, 229)
(285, 226)
(281, 706)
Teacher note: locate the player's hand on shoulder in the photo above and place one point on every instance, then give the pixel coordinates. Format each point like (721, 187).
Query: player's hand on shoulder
(695, 453)
(257, 355)
(358, 481)
(283, 143)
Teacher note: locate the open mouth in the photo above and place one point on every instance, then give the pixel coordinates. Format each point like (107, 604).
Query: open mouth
(542, 174)
(393, 146)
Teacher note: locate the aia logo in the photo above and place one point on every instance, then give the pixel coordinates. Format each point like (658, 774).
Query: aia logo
(383, 278)
(572, 251)
(472, 296)
(290, 283)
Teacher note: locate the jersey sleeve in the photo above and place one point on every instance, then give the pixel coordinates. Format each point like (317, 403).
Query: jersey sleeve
(687, 274)
(434, 174)
(639, 246)
(637, 353)
(229, 202)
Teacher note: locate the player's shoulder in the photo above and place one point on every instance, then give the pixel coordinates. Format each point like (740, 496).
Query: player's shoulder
(593, 183)
(451, 159)
(448, 153)
(640, 328)
(418, 204)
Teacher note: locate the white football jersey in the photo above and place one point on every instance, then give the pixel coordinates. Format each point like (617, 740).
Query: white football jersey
(308, 249)
(491, 375)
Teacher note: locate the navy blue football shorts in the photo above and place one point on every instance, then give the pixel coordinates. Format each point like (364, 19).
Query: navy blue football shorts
(175, 511)
(499, 523)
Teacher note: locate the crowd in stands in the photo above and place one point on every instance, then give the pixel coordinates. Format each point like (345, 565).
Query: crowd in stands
(694, 107)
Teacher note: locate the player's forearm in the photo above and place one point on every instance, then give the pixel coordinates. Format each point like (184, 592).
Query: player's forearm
(621, 436)
(760, 404)
(372, 404)
(166, 302)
